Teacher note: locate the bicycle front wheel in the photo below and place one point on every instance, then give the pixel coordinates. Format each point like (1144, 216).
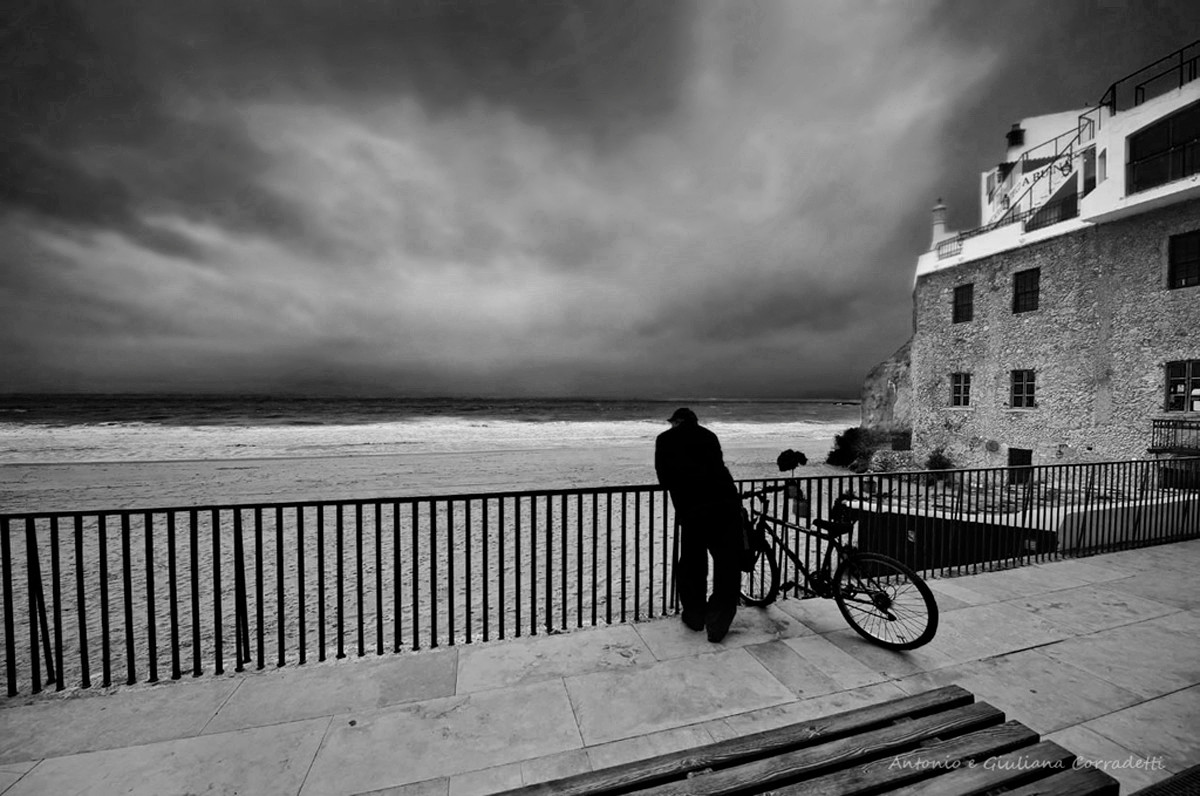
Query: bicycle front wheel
(885, 601)
(760, 586)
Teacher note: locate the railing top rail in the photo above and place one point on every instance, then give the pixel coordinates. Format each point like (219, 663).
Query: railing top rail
(1030, 154)
(334, 502)
(1109, 99)
(1111, 95)
(578, 491)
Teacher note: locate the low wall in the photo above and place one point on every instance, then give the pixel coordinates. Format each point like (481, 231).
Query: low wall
(929, 540)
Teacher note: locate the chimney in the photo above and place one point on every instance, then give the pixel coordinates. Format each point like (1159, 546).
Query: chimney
(1015, 136)
(939, 223)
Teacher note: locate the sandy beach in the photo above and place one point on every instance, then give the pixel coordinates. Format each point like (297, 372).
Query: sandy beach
(91, 486)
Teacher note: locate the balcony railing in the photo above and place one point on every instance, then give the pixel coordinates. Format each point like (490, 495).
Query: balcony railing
(1166, 74)
(95, 598)
(1054, 212)
(1175, 436)
(1053, 159)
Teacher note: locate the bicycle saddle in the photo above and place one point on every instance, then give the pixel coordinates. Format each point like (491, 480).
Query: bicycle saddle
(835, 528)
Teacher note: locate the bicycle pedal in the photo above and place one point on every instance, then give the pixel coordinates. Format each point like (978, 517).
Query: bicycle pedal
(791, 584)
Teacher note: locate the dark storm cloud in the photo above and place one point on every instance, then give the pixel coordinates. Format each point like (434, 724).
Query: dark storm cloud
(91, 139)
(464, 196)
(112, 116)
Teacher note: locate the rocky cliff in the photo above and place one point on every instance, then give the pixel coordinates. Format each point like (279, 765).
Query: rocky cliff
(887, 394)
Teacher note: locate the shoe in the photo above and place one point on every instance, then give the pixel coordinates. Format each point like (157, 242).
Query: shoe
(718, 624)
(693, 621)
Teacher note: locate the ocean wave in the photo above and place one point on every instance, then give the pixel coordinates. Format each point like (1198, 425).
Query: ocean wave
(44, 443)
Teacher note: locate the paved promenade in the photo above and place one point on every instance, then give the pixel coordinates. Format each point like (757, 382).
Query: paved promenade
(1100, 654)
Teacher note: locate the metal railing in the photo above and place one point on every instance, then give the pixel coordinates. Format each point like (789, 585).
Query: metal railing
(1175, 436)
(1166, 74)
(1054, 212)
(147, 594)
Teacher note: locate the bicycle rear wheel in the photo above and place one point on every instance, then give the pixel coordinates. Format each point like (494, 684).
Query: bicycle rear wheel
(760, 586)
(885, 601)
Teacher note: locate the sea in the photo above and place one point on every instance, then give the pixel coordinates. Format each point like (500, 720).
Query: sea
(46, 429)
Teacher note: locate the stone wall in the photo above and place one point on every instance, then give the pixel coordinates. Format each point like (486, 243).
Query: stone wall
(1105, 325)
(887, 394)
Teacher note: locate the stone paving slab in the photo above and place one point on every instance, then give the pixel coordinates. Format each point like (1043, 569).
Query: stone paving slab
(330, 689)
(441, 737)
(820, 616)
(670, 638)
(269, 760)
(804, 710)
(1087, 570)
(60, 725)
(1043, 693)
(1132, 770)
(892, 665)
(841, 667)
(957, 590)
(615, 753)
(984, 631)
(1089, 609)
(793, 670)
(514, 775)
(528, 660)
(430, 787)
(481, 783)
(1008, 584)
(635, 701)
(1149, 658)
(1165, 727)
(1155, 585)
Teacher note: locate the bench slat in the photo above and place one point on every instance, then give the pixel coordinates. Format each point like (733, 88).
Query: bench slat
(1076, 782)
(1011, 769)
(675, 765)
(834, 755)
(884, 774)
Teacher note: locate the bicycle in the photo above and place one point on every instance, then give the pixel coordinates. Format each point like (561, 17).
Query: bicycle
(884, 600)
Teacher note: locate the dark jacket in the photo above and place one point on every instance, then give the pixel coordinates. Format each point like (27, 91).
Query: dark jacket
(688, 461)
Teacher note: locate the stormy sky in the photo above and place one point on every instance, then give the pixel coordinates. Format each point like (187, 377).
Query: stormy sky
(476, 197)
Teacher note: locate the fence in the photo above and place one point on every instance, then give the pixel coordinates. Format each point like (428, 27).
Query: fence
(1177, 436)
(139, 595)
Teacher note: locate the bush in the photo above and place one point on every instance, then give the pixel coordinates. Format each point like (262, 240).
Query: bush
(854, 446)
(790, 460)
(938, 460)
(885, 461)
(845, 448)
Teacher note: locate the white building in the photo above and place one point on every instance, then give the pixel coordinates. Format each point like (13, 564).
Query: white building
(1067, 325)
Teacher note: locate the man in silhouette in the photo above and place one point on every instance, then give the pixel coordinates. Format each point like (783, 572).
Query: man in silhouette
(688, 460)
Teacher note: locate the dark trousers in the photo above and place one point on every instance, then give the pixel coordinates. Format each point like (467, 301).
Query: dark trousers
(704, 532)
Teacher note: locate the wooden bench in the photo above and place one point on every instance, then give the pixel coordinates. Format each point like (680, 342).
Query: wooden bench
(938, 742)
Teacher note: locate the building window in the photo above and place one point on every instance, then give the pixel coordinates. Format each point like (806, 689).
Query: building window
(1183, 386)
(1025, 290)
(960, 389)
(1023, 390)
(964, 303)
(1023, 458)
(1166, 151)
(1184, 259)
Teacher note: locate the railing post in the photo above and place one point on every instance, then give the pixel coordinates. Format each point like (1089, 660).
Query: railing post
(151, 625)
(241, 623)
(10, 644)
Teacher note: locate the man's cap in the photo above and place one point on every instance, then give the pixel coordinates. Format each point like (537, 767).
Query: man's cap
(683, 414)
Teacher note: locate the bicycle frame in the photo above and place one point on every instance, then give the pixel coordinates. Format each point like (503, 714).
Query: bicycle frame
(817, 581)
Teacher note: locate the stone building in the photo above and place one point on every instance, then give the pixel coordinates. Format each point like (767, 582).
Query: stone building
(1067, 327)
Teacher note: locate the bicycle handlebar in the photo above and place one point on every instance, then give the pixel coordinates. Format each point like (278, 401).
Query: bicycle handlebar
(761, 494)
